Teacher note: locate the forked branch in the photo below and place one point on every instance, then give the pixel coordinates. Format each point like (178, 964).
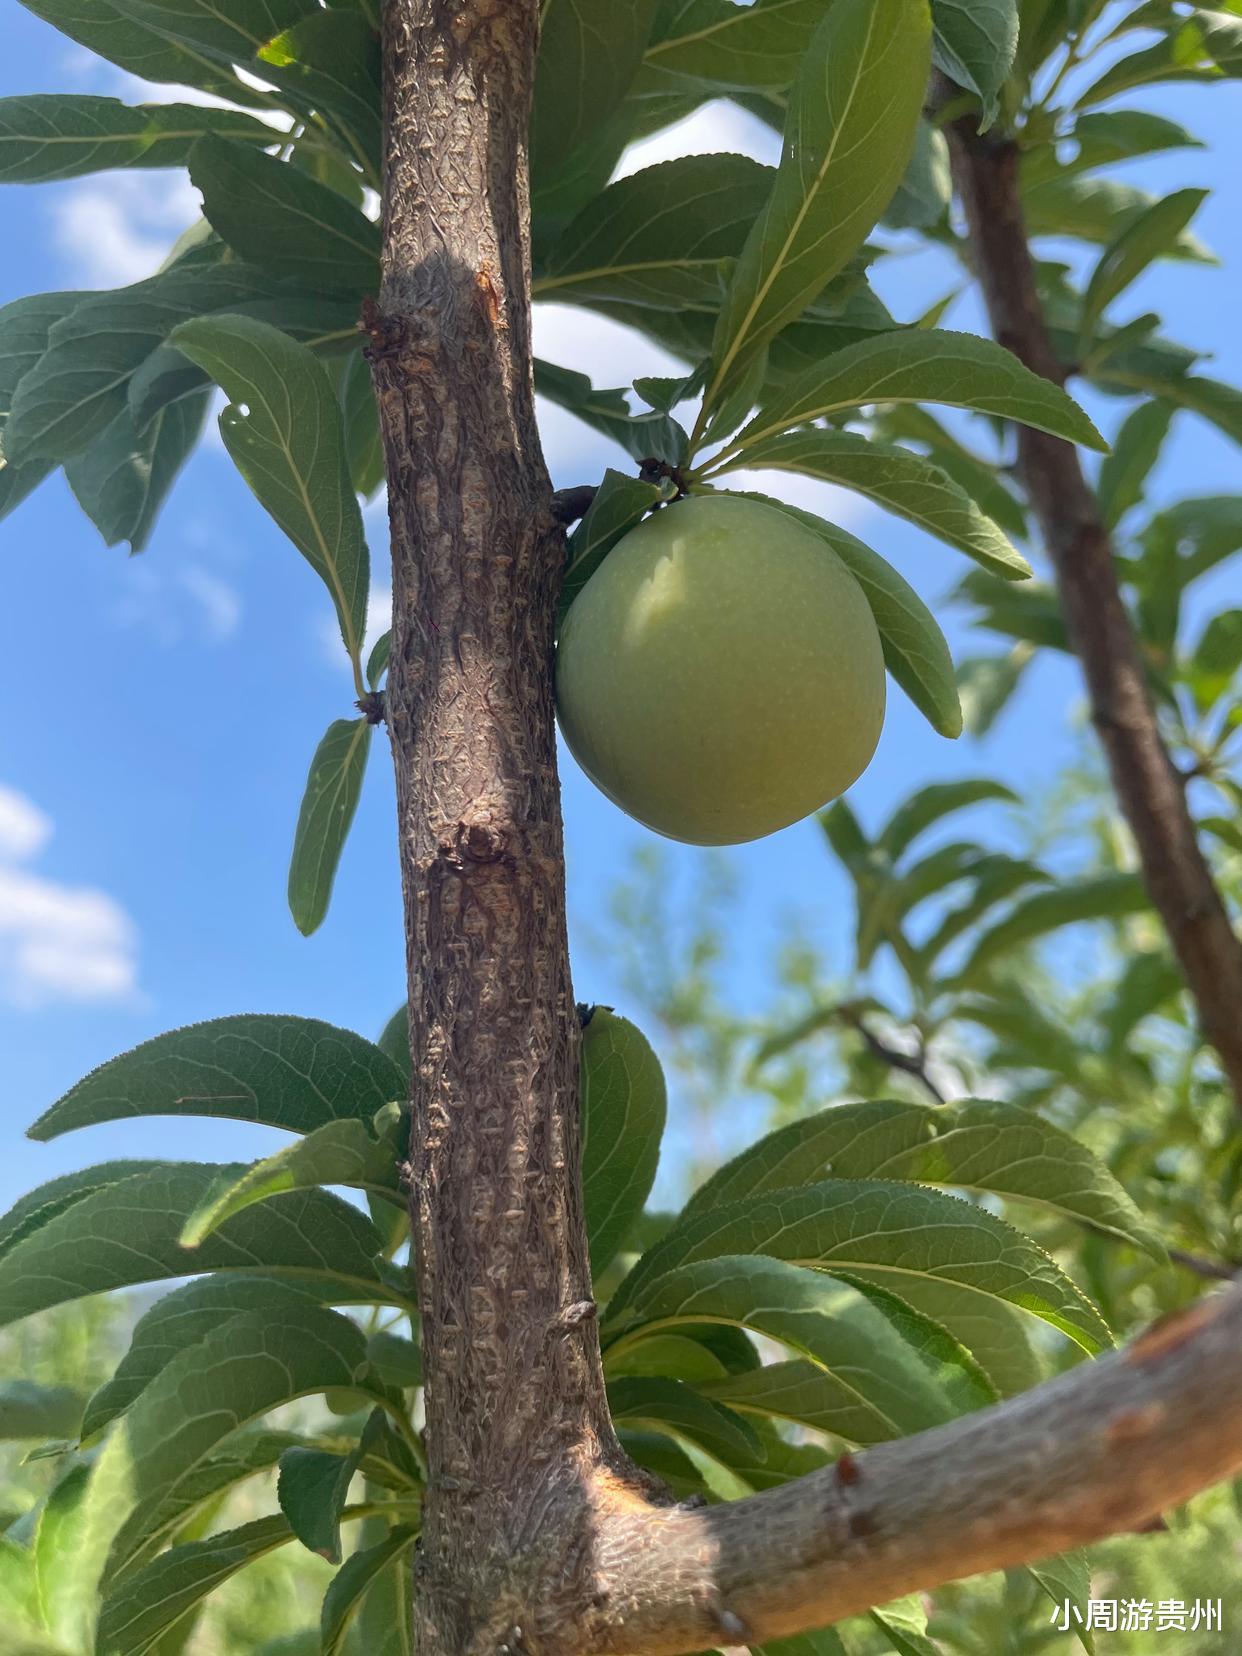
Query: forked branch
(1102, 1449)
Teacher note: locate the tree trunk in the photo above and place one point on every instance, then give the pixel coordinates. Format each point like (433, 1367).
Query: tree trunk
(517, 1423)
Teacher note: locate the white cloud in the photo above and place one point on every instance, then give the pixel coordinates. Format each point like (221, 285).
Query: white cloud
(117, 228)
(23, 827)
(57, 942)
(171, 603)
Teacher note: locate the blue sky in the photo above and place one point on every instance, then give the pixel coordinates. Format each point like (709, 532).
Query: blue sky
(157, 714)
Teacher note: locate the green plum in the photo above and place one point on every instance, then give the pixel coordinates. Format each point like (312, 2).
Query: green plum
(720, 675)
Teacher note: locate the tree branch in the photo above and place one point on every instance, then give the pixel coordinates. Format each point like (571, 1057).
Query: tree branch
(1148, 786)
(1099, 1450)
(912, 1064)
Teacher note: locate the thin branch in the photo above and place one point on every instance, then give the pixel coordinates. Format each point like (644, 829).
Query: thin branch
(1148, 786)
(1210, 1269)
(1102, 1449)
(913, 1064)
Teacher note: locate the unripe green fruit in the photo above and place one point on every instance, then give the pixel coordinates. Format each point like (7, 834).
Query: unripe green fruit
(720, 675)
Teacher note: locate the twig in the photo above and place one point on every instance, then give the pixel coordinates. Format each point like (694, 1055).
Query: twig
(1210, 1269)
(914, 1064)
(1148, 786)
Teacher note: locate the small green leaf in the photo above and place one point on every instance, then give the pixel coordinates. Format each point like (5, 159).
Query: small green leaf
(924, 365)
(394, 1043)
(1067, 1578)
(279, 219)
(974, 42)
(727, 47)
(338, 1153)
(127, 1233)
(895, 478)
(904, 1625)
(620, 503)
(377, 661)
(283, 428)
(333, 786)
(57, 135)
(1136, 448)
(351, 1582)
(624, 1105)
(1149, 236)
(853, 113)
(640, 435)
(282, 1071)
(668, 1405)
(34, 1209)
(152, 1601)
(397, 1359)
(311, 1487)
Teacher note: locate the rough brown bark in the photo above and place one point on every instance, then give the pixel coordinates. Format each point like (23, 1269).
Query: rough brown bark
(1148, 787)
(518, 1427)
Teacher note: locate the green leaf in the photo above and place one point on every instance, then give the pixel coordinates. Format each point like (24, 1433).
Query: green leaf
(333, 786)
(979, 477)
(180, 1319)
(57, 135)
(283, 428)
(974, 42)
(122, 480)
(232, 29)
(915, 815)
(351, 1582)
(987, 683)
(1067, 1577)
(281, 220)
(589, 53)
(364, 447)
(903, 1236)
(47, 1200)
(926, 187)
(127, 1233)
(992, 879)
(250, 1364)
(394, 1043)
(1100, 897)
(895, 478)
(620, 503)
(1136, 448)
(853, 114)
(151, 1602)
(398, 1360)
(79, 384)
(1122, 134)
(312, 1487)
(31, 1410)
(624, 1104)
(924, 365)
(327, 66)
(377, 661)
(728, 47)
(282, 1071)
(668, 1406)
(640, 435)
(659, 236)
(1219, 650)
(1149, 236)
(823, 1642)
(108, 28)
(339, 1153)
(881, 1378)
(67, 1602)
(915, 651)
(1200, 48)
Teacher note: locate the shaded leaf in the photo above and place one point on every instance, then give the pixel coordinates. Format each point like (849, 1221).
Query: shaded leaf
(59, 135)
(623, 1110)
(1149, 236)
(122, 480)
(352, 1581)
(1102, 897)
(29, 1409)
(974, 42)
(620, 503)
(1136, 448)
(929, 805)
(589, 53)
(328, 66)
